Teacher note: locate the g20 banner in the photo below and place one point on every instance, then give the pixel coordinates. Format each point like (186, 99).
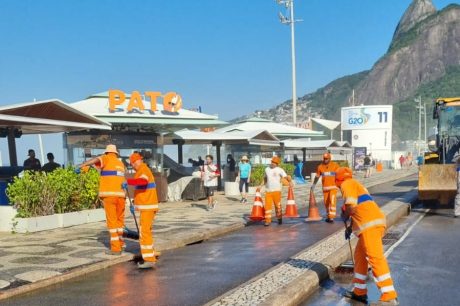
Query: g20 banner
(367, 117)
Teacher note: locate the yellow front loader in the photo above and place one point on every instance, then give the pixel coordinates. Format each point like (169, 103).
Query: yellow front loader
(438, 175)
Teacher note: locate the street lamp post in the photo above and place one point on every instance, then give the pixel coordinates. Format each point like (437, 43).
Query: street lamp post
(289, 4)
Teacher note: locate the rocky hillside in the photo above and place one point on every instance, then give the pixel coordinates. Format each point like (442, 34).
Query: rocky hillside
(423, 59)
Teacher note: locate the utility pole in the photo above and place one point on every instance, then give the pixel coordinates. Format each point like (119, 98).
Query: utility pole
(289, 4)
(419, 101)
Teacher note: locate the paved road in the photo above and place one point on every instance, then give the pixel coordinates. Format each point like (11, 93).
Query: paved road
(425, 265)
(198, 273)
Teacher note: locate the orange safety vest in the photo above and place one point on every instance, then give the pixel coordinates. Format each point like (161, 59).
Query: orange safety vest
(112, 176)
(327, 173)
(145, 197)
(365, 214)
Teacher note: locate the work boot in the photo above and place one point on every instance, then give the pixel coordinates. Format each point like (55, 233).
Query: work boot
(385, 303)
(114, 253)
(242, 200)
(329, 220)
(146, 265)
(280, 221)
(267, 223)
(353, 296)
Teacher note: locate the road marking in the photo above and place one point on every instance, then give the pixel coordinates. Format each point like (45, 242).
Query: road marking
(394, 246)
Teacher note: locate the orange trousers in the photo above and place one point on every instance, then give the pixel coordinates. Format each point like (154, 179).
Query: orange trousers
(330, 202)
(369, 251)
(146, 236)
(115, 216)
(273, 197)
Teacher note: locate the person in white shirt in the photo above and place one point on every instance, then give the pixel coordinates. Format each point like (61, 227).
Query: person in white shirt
(209, 175)
(272, 180)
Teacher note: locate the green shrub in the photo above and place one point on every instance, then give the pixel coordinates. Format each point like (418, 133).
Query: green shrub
(258, 173)
(61, 191)
(343, 163)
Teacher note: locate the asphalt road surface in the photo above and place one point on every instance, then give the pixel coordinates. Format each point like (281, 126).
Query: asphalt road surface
(425, 265)
(195, 274)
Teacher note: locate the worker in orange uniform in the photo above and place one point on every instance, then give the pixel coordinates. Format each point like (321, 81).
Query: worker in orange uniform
(146, 201)
(112, 194)
(368, 223)
(272, 180)
(326, 170)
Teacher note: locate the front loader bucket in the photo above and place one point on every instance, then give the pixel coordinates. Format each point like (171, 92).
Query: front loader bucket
(437, 182)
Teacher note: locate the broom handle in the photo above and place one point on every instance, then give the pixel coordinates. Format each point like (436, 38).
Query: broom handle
(349, 244)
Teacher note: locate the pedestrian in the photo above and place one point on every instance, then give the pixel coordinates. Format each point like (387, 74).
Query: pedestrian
(112, 194)
(32, 163)
(50, 166)
(209, 176)
(200, 161)
(368, 223)
(272, 180)
(402, 160)
(146, 201)
(231, 164)
(326, 170)
(367, 165)
(244, 177)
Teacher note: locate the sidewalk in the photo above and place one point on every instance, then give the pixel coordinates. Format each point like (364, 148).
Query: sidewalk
(59, 254)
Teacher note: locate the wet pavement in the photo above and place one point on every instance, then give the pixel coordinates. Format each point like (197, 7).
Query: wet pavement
(198, 273)
(424, 266)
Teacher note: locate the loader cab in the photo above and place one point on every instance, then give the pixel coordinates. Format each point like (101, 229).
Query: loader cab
(447, 113)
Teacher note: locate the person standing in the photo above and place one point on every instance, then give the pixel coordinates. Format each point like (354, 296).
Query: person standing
(272, 180)
(326, 170)
(368, 223)
(146, 201)
(50, 166)
(244, 176)
(112, 194)
(231, 164)
(367, 165)
(32, 163)
(209, 175)
(402, 160)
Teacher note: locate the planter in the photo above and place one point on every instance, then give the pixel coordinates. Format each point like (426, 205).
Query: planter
(73, 218)
(36, 224)
(7, 214)
(232, 189)
(95, 215)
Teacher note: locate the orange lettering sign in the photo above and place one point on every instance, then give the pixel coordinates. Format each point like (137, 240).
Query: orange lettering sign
(172, 102)
(116, 97)
(135, 102)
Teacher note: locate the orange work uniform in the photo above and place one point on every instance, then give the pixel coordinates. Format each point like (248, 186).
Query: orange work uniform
(146, 201)
(369, 225)
(113, 197)
(327, 173)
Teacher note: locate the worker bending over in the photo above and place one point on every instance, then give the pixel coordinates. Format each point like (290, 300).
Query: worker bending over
(146, 201)
(272, 180)
(327, 172)
(368, 223)
(112, 195)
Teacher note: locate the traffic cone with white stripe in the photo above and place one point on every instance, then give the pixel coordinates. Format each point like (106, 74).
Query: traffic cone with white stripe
(313, 211)
(291, 206)
(257, 213)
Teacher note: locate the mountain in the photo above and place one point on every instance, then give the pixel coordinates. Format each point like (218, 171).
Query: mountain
(422, 59)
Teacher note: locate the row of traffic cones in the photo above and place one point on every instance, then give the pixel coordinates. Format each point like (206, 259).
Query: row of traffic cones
(258, 213)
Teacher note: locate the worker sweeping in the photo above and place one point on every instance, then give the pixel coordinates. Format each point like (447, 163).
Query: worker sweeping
(112, 194)
(368, 223)
(326, 170)
(272, 180)
(146, 201)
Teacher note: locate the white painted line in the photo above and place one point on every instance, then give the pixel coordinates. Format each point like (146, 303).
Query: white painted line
(394, 246)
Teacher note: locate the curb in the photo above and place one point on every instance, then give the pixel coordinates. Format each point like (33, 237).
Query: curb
(80, 271)
(302, 286)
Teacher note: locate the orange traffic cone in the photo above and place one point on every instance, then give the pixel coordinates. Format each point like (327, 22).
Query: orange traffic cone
(313, 212)
(291, 207)
(257, 213)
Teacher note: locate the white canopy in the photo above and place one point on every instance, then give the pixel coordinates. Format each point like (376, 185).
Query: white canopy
(314, 144)
(260, 137)
(329, 124)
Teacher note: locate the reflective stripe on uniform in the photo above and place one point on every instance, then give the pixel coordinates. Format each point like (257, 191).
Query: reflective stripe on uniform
(148, 255)
(327, 188)
(114, 238)
(120, 230)
(328, 173)
(370, 224)
(111, 194)
(148, 186)
(360, 286)
(144, 207)
(112, 173)
(113, 230)
(147, 247)
(350, 200)
(360, 276)
(387, 289)
(382, 277)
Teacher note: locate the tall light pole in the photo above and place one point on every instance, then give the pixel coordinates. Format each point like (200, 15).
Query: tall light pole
(420, 107)
(289, 4)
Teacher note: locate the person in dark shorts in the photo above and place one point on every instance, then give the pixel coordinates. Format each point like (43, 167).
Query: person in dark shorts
(244, 177)
(209, 175)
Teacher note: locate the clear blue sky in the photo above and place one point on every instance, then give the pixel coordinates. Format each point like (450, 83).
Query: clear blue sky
(229, 56)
